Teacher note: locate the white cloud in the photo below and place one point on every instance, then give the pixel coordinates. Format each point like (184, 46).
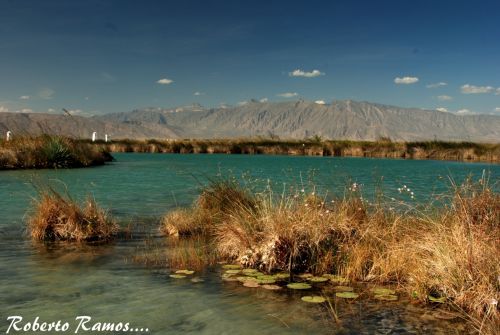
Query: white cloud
(165, 81)
(24, 97)
(198, 93)
(442, 109)
(436, 85)
(26, 110)
(51, 110)
(264, 100)
(4, 109)
(497, 109)
(105, 76)
(444, 98)
(406, 80)
(320, 102)
(242, 103)
(46, 93)
(288, 94)
(300, 73)
(464, 111)
(87, 98)
(471, 89)
(497, 92)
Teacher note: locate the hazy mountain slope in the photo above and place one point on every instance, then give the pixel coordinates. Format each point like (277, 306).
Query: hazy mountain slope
(340, 120)
(79, 127)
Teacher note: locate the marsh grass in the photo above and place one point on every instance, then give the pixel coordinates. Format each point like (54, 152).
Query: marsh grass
(59, 218)
(449, 252)
(50, 152)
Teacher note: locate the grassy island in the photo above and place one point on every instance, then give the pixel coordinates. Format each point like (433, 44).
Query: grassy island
(49, 152)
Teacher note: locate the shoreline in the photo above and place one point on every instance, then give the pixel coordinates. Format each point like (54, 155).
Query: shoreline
(430, 150)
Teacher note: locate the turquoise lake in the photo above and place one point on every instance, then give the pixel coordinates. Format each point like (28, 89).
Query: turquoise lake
(60, 282)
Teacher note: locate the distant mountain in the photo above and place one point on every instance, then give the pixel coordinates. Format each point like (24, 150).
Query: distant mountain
(340, 120)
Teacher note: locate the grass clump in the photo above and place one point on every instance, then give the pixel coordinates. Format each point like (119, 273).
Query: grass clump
(58, 218)
(449, 252)
(50, 152)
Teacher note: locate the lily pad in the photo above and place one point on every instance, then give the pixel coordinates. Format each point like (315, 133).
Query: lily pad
(265, 279)
(185, 272)
(229, 278)
(440, 300)
(299, 286)
(304, 275)
(249, 271)
(335, 278)
(255, 274)
(282, 275)
(386, 297)
(341, 288)
(317, 279)
(271, 287)
(382, 291)
(231, 267)
(177, 276)
(232, 272)
(314, 299)
(347, 295)
(251, 283)
(244, 279)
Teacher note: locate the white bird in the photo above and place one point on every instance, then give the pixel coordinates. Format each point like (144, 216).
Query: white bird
(9, 135)
(94, 135)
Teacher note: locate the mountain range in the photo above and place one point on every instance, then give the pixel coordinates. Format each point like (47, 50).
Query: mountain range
(342, 119)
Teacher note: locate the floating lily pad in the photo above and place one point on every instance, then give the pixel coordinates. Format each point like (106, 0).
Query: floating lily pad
(386, 297)
(244, 279)
(232, 272)
(282, 275)
(249, 271)
(255, 274)
(341, 288)
(177, 276)
(317, 279)
(382, 291)
(229, 278)
(335, 278)
(347, 295)
(231, 266)
(304, 275)
(314, 299)
(299, 286)
(440, 300)
(265, 279)
(197, 280)
(271, 287)
(185, 272)
(251, 283)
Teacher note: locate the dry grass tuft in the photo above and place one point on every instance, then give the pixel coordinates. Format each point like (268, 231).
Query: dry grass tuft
(449, 252)
(58, 218)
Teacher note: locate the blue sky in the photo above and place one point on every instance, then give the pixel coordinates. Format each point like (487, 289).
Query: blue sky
(99, 57)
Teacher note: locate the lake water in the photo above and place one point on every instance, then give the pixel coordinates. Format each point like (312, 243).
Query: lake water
(60, 282)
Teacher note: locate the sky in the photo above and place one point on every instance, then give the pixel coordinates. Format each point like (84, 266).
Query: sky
(95, 57)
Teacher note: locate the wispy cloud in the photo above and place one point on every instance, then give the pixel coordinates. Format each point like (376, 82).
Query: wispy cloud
(264, 100)
(165, 81)
(465, 111)
(105, 76)
(436, 85)
(497, 110)
(24, 97)
(442, 109)
(405, 80)
(320, 102)
(444, 98)
(46, 93)
(4, 109)
(242, 103)
(472, 89)
(300, 73)
(287, 94)
(198, 93)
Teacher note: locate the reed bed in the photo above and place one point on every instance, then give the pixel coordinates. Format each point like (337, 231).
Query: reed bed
(59, 218)
(50, 152)
(449, 252)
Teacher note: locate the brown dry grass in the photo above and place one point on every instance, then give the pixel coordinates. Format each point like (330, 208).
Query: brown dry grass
(449, 252)
(59, 218)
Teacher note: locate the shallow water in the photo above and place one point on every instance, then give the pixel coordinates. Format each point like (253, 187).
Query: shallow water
(60, 282)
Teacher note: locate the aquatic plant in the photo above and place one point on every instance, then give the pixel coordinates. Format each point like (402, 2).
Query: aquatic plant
(177, 276)
(313, 299)
(186, 272)
(271, 287)
(56, 217)
(386, 297)
(299, 286)
(347, 295)
(317, 279)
